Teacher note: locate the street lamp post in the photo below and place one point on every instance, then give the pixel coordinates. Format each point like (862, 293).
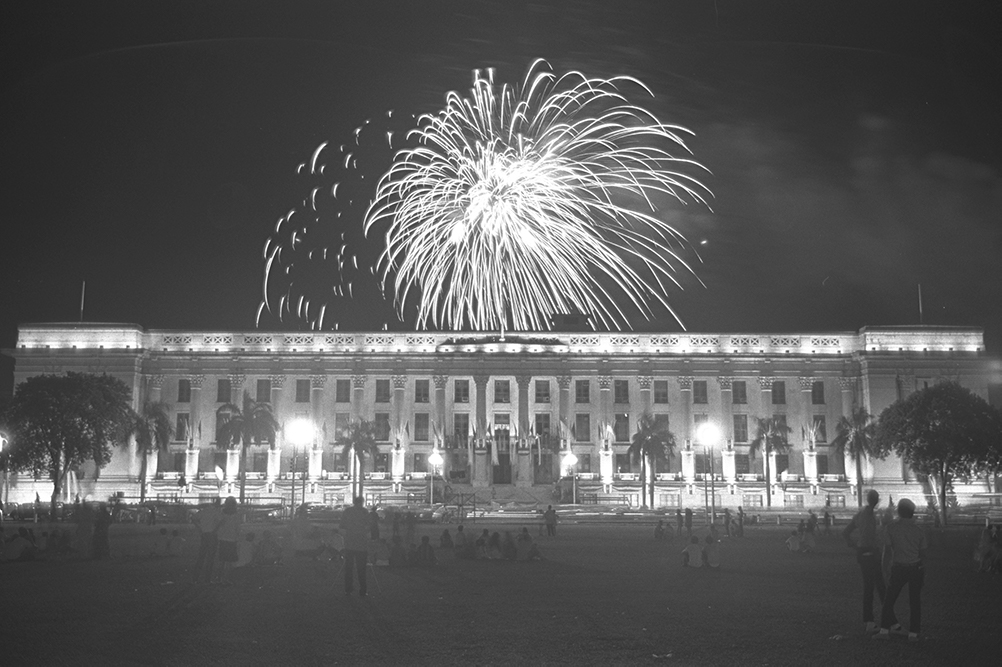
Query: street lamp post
(435, 459)
(708, 435)
(300, 433)
(570, 460)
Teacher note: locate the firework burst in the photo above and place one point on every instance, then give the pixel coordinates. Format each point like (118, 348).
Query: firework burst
(518, 202)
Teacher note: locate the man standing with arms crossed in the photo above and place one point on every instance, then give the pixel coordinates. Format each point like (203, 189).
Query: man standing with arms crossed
(868, 556)
(355, 523)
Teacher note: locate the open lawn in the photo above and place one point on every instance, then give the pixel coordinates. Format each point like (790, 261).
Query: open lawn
(607, 593)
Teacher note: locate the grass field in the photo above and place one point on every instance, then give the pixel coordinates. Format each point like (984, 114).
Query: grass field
(607, 593)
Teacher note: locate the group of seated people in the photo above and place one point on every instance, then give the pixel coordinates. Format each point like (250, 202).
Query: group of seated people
(695, 555)
(491, 546)
(988, 553)
(23, 545)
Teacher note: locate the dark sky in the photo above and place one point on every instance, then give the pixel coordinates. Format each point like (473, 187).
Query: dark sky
(149, 148)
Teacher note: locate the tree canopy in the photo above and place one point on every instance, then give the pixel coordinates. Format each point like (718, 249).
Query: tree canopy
(358, 440)
(652, 442)
(854, 436)
(57, 422)
(942, 432)
(254, 424)
(770, 436)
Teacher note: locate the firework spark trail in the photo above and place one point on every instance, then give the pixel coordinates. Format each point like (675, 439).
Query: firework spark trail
(311, 260)
(521, 202)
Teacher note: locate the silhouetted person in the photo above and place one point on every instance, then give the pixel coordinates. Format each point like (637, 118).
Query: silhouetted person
(550, 518)
(867, 555)
(102, 524)
(727, 521)
(207, 519)
(908, 543)
(355, 523)
(688, 521)
(373, 524)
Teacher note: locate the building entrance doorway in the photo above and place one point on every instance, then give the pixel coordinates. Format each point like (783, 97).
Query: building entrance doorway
(502, 469)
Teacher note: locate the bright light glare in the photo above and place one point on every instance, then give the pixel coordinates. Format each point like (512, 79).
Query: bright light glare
(299, 431)
(708, 434)
(570, 459)
(435, 458)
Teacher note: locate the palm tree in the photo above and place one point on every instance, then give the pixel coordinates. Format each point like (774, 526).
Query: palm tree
(770, 437)
(855, 438)
(254, 424)
(152, 429)
(652, 443)
(358, 440)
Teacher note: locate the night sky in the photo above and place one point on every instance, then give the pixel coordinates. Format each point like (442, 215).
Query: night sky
(149, 148)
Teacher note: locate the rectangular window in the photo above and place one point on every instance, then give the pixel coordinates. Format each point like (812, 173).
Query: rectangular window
(661, 392)
(822, 461)
(182, 424)
(584, 463)
(742, 464)
(420, 463)
(259, 462)
(422, 391)
(542, 391)
(223, 391)
(818, 393)
(502, 391)
(820, 429)
(263, 391)
(302, 391)
(221, 420)
(779, 392)
(752, 499)
(543, 425)
(622, 427)
(698, 420)
(739, 392)
(623, 463)
(421, 427)
(180, 461)
(382, 391)
(740, 428)
(461, 391)
(782, 463)
(342, 391)
(793, 500)
(621, 391)
(582, 427)
(461, 428)
(382, 462)
(184, 390)
(342, 420)
(382, 422)
(835, 500)
(781, 426)
(661, 419)
(582, 391)
(699, 392)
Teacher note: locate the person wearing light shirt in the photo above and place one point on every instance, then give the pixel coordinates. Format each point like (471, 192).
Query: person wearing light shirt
(908, 544)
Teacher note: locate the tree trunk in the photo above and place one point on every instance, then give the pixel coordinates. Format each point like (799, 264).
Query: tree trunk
(653, 477)
(243, 471)
(768, 485)
(643, 482)
(859, 480)
(361, 474)
(943, 481)
(56, 474)
(142, 478)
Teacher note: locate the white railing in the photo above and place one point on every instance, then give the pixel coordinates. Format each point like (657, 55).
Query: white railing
(627, 476)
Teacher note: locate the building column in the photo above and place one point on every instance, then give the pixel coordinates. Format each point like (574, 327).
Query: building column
(520, 463)
(685, 433)
(562, 429)
(726, 384)
(606, 408)
(315, 457)
(438, 408)
(646, 397)
(237, 398)
(765, 384)
(846, 386)
(399, 438)
(807, 413)
(480, 466)
(275, 453)
(357, 397)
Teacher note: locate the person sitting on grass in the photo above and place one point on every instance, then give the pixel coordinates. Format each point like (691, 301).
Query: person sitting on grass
(692, 555)
(659, 530)
(19, 547)
(445, 541)
(412, 556)
(482, 544)
(246, 550)
(793, 541)
(711, 552)
(494, 546)
(525, 548)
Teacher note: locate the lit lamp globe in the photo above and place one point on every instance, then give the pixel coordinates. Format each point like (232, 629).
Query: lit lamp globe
(570, 460)
(708, 434)
(299, 432)
(435, 458)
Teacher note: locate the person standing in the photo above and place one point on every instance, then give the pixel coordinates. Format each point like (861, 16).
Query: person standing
(102, 525)
(741, 522)
(678, 519)
(355, 522)
(688, 522)
(207, 519)
(908, 544)
(867, 555)
(550, 518)
(727, 521)
(373, 524)
(228, 533)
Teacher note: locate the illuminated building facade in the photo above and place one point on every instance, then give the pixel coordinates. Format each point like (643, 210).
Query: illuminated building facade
(503, 412)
